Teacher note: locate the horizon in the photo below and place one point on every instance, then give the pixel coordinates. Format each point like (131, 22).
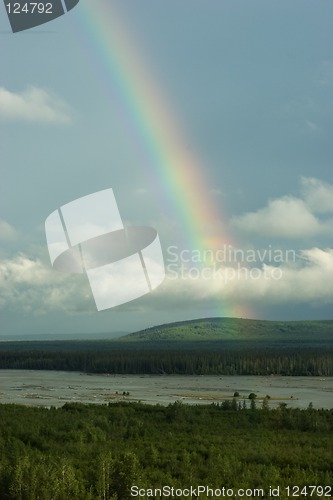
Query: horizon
(105, 335)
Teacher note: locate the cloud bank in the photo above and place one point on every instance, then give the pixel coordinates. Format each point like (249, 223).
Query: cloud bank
(28, 284)
(31, 286)
(308, 280)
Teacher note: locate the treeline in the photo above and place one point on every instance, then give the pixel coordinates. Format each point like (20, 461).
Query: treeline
(88, 452)
(173, 360)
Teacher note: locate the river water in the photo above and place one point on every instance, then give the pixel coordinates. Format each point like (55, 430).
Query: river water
(55, 388)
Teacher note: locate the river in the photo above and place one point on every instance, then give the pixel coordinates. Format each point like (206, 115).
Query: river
(55, 388)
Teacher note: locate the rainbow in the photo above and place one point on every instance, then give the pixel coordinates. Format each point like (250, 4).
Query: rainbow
(152, 123)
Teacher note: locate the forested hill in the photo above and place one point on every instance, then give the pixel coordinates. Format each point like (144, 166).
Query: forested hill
(216, 346)
(234, 329)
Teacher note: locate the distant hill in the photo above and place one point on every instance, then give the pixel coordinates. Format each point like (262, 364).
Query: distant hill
(210, 346)
(232, 329)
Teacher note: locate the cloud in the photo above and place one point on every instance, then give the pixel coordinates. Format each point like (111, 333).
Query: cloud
(292, 217)
(285, 217)
(7, 232)
(307, 280)
(33, 105)
(318, 195)
(28, 285)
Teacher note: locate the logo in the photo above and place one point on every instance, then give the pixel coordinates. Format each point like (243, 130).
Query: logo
(122, 263)
(24, 15)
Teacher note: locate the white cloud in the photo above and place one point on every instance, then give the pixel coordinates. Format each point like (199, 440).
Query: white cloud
(285, 217)
(308, 280)
(29, 285)
(33, 105)
(7, 232)
(290, 216)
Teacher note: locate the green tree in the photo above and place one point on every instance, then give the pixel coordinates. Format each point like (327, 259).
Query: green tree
(126, 473)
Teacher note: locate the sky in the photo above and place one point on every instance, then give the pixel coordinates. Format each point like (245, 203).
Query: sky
(212, 123)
